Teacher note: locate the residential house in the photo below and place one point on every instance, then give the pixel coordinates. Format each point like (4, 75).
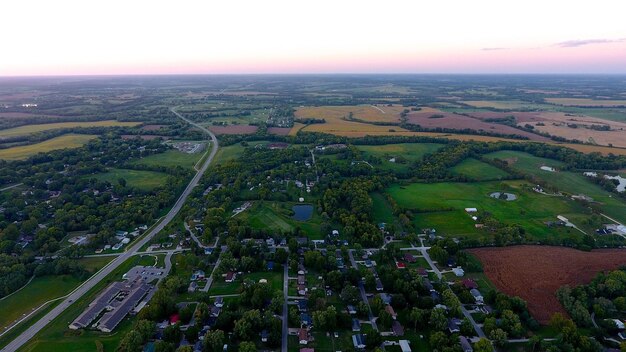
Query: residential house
(219, 302)
(356, 325)
(478, 297)
(379, 285)
(303, 336)
(465, 344)
(230, 277)
(397, 328)
(358, 341)
(389, 309)
(405, 346)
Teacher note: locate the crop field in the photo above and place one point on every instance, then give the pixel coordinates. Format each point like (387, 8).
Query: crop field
(29, 129)
(171, 158)
(570, 182)
(410, 151)
(143, 180)
(530, 210)
(534, 273)
(501, 104)
(62, 142)
(233, 152)
(434, 118)
(369, 113)
(382, 209)
(478, 170)
(586, 102)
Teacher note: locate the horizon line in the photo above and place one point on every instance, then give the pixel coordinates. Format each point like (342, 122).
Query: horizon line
(322, 74)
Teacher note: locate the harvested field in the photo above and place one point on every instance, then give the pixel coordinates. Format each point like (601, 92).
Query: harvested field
(279, 130)
(586, 102)
(152, 127)
(499, 104)
(615, 138)
(233, 129)
(433, 118)
(296, 128)
(369, 113)
(61, 142)
(28, 129)
(534, 273)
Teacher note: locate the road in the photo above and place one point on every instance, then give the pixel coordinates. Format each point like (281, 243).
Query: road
(477, 328)
(285, 308)
(9, 187)
(363, 294)
(109, 268)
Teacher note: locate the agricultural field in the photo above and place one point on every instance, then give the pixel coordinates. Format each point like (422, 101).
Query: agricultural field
(434, 118)
(62, 142)
(534, 273)
(478, 170)
(529, 210)
(501, 104)
(369, 113)
(30, 129)
(143, 180)
(170, 158)
(571, 182)
(586, 102)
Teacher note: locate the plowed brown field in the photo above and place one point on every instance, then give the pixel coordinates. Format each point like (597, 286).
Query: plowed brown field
(534, 273)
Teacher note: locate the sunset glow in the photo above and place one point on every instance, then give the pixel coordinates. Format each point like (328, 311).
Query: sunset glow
(159, 37)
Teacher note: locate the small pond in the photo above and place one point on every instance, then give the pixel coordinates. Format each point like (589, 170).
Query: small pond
(302, 212)
(503, 195)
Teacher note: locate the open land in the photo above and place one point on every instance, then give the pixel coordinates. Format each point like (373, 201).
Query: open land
(534, 273)
(29, 129)
(69, 140)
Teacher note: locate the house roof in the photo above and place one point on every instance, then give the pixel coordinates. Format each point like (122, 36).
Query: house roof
(397, 328)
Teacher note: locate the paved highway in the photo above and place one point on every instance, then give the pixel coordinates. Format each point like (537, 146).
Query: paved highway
(100, 275)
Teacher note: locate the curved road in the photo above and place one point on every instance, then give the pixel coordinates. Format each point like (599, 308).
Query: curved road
(100, 275)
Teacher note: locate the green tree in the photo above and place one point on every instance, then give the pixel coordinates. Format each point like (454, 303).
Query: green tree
(214, 341)
(483, 345)
(247, 346)
(438, 319)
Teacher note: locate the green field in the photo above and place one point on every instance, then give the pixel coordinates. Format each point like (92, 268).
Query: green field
(410, 151)
(29, 129)
(144, 180)
(382, 209)
(455, 222)
(276, 216)
(41, 290)
(530, 210)
(170, 158)
(57, 337)
(570, 182)
(61, 142)
(478, 170)
(232, 152)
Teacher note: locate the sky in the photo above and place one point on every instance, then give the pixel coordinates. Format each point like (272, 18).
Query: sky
(67, 37)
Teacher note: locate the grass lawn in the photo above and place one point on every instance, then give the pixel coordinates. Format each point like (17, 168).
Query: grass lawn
(454, 222)
(232, 152)
(62, 142)
(41, 290)
(29, 129)
(275, 278)
(144, 180)
(570, 182)
(171, 158)
(277, 216)
(530, 210)
(382, 209)
(56, 336)
(220, 287)
(478, 170)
